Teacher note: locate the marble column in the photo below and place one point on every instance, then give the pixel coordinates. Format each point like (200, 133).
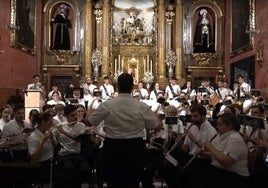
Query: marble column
(88, 35)
(161, 45)
(179, 41)
(105, 38)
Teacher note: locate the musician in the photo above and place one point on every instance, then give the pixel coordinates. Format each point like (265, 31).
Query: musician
(228, 154)
(189, 90)
(17, 130)
(172, 129)
(55, 99)
(41, 142)
(221, 91)
(107, 90)
(155, 91)
(198, 132)
(154, 155)
(125, 119)
(5, 116)
(243, 87)
(59, 117)
(252, 134)
(88, 86)
(209, 89)
(144, 93)
(172, 90)
(72, 163)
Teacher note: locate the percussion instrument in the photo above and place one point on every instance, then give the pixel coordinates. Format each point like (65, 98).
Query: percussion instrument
(214, 99)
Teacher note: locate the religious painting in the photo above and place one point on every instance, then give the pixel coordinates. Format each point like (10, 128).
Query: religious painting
(62, 26)
(240, 40)
(23, 25)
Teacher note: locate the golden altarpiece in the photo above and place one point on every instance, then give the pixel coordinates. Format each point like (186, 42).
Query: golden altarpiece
(153, 40)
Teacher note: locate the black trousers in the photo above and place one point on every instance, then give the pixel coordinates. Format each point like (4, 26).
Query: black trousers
(123, 160)
(212, 177)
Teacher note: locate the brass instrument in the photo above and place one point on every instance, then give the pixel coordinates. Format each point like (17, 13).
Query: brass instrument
(255, 155)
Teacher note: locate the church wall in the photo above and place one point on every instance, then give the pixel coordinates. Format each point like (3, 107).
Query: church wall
(261, 76)
(17, 67)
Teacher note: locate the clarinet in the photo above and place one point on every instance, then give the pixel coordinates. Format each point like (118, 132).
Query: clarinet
(196, 154)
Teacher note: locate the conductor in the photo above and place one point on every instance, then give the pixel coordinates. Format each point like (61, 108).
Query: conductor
(125, 119)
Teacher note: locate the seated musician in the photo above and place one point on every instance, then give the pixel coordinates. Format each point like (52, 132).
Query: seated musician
(16, 132)
(154, 155)
(70, 160)
(254, 131)
(41, 144)
(200, 130)
(228, 154)
(173, 129)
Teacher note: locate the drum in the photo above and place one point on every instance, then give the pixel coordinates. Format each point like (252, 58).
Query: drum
(214, 99)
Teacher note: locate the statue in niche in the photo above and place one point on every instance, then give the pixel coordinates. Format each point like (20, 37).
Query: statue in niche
(204, 36)
(132, 24)
(63, 24)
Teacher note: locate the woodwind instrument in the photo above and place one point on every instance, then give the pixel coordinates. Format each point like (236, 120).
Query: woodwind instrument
(197, 154)
(178, 140)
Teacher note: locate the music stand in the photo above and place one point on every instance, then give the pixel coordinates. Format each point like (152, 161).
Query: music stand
(171, 120)
(254, 122)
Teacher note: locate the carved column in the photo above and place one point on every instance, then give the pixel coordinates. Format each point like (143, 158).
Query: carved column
(105, 38)
(88, 38)
(178, 40)
(161, 42)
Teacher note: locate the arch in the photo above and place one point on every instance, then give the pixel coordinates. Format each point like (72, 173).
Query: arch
(216, 14)
(49, 11)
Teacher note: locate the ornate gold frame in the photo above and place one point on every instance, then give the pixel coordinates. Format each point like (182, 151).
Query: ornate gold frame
(23, 30)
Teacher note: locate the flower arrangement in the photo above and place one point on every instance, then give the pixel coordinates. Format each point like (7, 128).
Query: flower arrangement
(148, 77)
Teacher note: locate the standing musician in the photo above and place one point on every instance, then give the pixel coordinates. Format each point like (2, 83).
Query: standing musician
(199, 131)
(228, 154)
(107, 90)
(243, 87)
(172, 90)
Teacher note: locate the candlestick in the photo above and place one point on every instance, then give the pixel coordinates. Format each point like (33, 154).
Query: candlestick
(119, 63)
(115, 65)
(151, 66)
(122, 64)
(147, 63)
(144, 65)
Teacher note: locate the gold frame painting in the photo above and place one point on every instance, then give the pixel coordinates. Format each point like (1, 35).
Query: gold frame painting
(23, 25)
(240, 40)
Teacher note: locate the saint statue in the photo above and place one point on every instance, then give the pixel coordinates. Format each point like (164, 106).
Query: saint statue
(63, 24)
(204, 37)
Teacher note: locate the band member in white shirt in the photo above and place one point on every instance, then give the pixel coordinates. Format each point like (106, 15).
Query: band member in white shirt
(172, 90)
(155, 91)
(107, 90)
(243, 86)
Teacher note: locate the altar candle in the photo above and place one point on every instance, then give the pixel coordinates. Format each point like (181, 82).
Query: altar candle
(115, 65)
(148, 61)
(119, 63)
(151, 66)
(144, 64)
(122, 64)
